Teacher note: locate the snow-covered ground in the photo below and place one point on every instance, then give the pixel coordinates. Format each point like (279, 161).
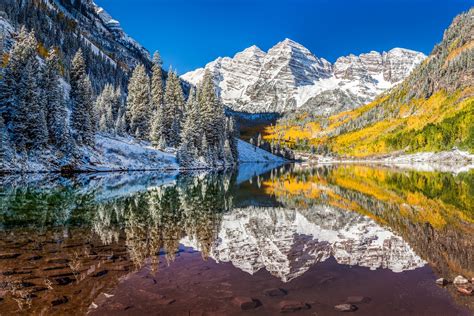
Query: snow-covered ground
(115, 153)
(454, 161)
(250, 153)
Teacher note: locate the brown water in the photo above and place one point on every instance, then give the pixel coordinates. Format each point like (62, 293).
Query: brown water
(150, 244)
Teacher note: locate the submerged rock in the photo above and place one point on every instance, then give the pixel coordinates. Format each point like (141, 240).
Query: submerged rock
(292, 306)
(275, 292)
(246, 303)
(441, 281)
(468, 290)
(460, 280)
(60, 301)
(358, 299)
(345, 308)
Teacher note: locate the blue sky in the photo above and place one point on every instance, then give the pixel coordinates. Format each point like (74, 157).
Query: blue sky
(190, 33)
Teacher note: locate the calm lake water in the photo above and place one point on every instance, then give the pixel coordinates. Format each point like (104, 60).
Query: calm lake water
(261, 238)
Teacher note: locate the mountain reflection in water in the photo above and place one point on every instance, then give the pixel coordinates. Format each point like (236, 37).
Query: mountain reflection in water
(66, 240)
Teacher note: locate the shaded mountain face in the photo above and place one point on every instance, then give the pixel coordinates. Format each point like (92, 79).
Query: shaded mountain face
(289, 76)
(69, 25)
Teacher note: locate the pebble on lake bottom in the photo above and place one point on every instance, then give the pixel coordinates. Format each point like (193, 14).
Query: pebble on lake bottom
(345, 308)
(292, 306)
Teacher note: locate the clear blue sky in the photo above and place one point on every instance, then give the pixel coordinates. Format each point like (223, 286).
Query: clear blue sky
(190, 33)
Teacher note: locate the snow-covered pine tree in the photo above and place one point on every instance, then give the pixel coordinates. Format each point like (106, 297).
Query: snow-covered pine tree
(6, 151)
(138, 103)
(172, 110)
(157, 97)
(107, 107)
(19, 55)
(20, 99)
(54, 103)
(157, 87)
(232, 135)
(188, 152)
(29, 100)
(83, 117)
(212, 118)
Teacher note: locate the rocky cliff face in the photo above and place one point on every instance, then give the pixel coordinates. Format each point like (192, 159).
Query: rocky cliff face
(289, 76)
(288, 242)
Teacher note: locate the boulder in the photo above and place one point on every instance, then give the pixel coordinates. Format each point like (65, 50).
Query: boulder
(468, 290)
(245, 302)
(358, 299)
(345, 308)
(60, 301)
(275, 292)
(441, 281)
(288, 306)
(460, 280)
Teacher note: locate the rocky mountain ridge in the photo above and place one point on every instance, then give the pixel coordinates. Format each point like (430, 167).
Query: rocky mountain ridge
(289, 76)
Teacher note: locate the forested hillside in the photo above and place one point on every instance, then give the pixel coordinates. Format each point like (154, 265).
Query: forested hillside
(60, 95)
(432, 110)
(69, 25)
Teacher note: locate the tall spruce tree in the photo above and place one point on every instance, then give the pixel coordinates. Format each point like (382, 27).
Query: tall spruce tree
(6, 151)
(189, 150)
(83, 117)
(213, 119)
(29, 101)
(20, 97)
(157, 97)
(173, 110)
(107, 108)
(54, 103)
(138, 103)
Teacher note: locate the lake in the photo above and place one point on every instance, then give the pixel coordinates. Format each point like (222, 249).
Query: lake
(259, 241)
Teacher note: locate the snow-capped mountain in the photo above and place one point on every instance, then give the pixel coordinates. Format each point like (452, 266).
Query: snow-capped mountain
(289, 76)
(287, 242)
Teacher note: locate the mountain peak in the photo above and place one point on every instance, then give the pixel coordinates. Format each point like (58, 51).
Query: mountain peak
(289, 76)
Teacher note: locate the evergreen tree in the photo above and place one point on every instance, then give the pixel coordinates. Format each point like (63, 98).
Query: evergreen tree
(107, 107)
(157, 93)
(6, 151)
(138, 103)
(33, 125)
(157, 97)
(22, 51)
(20, 97)
(212, 118)
(173, 110)
(83, 117)
(188, 152)
(54, 103)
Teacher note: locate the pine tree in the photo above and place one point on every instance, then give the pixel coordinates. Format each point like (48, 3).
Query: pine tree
(6, 151)
(138, 103)
(83, 117)
(107, 107)
(54, 103)
(20, 98)
(188, 151)
(157, 97)
(212, 118)
(22, 51)
(29, 104)
(157, 92)
(173, 110)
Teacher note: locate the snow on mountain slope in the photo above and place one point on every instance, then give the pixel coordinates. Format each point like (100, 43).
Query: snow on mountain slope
(288, 242)
(289, 76)
(250, 153)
